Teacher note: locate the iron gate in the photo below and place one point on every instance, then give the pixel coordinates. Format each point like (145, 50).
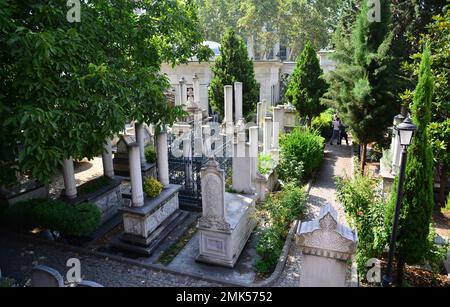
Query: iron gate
(186, 171)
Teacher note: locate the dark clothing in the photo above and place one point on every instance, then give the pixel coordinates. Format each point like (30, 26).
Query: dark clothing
(343, 134)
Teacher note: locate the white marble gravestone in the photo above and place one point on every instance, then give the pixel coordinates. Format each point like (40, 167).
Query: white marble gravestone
(226, 223)
(326, 247)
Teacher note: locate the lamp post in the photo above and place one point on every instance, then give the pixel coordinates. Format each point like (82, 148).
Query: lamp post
(405, 132)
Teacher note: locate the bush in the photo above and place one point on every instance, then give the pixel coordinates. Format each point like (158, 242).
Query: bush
(323, 124)
(265, 163)
(152, 187)
(150, 154)
(76, 220)
(301, 146)
(278, 213)
(365, 211)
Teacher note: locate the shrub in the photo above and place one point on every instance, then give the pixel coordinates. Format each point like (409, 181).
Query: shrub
(323, 123)
(265, 163)
(152, 187)
(300, 146)
(365, 211)
(278, 213)
(150, 154)
(76, 220)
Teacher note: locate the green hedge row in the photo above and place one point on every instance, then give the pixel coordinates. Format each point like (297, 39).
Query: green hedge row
(76, 220)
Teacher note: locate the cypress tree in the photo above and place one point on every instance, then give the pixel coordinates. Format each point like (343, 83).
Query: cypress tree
(417, 203)
(306, 85)
(362, 85)
(233, 65)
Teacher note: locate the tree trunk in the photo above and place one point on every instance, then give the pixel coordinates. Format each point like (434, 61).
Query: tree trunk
(400, 270)
(443, 178)
(363, 157)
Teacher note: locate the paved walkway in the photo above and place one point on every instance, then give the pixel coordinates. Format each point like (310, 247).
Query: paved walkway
(18, 257)
(337, 162)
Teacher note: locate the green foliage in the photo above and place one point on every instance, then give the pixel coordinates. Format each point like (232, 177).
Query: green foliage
(417, 202)
(306, 85)
(323, 123)
(446, 209)
(66, 87)
(278, 212)
(94, 185)
(233, 65)
(265, 163)
(150, 154)
(362, 86)
(77, 220)
(302, 148)
(152, 187)
(365, 210)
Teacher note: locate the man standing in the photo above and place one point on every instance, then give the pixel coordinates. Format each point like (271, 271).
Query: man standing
(336, 130)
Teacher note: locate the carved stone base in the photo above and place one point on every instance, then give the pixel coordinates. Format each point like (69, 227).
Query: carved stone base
(222, 243)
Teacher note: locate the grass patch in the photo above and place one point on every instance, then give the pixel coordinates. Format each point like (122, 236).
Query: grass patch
(7, 282)
(169, 254)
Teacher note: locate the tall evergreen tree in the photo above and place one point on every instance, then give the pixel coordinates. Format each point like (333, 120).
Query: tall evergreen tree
(363, 81)
(306, 85)
(233, 65)
(417, 203)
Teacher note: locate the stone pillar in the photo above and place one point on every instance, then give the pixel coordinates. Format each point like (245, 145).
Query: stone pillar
(228, 108)
(253, 152)
(108, 168)
(267, 134)
(139, 133)
(259, 113)
(278, 117)
(183, 91)
(198, 135)
(70, 185)
(275, 135)
(397, 148)
(238, 102)
(163, 159)
(196, 82)
(137, 193)
(241, 166)
(178, 95)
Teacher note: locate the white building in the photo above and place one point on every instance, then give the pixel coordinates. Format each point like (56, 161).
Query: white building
(268, 74)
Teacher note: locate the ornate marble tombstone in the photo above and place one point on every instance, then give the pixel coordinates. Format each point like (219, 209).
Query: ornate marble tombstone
(226, 223)
(326, 246)
(289, 119)
(147, 221)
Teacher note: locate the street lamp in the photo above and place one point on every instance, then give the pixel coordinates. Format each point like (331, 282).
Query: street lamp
(405, 132)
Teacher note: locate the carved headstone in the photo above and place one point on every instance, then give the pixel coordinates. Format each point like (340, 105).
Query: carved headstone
(213, 196)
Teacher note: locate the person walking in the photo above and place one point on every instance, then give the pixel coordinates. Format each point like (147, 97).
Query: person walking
(342, 133)
(336, 130)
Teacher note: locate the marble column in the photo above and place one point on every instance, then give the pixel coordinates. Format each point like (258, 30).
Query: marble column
(183, 91)
(267, 134)
(70, 185)
(139, 133)
(238, 102)
(258, 113)
(253, 140)
(228, 108)
(278, 117)
(196, 82)
(163, 159)
(108, 168)
(241, 166)
(137, 193)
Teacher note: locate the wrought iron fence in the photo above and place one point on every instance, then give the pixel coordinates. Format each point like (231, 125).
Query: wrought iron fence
(186, 171)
